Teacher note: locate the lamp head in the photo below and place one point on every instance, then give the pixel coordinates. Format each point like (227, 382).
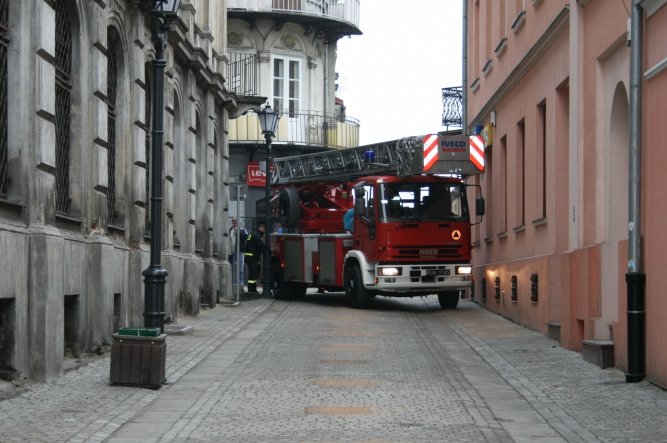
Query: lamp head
(268, 120)
(167, 7)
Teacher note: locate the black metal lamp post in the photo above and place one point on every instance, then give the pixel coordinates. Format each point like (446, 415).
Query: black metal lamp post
(155, 277)
(268, 120)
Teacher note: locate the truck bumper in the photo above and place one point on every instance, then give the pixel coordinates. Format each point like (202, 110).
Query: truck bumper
(421, 278)
(451, 285)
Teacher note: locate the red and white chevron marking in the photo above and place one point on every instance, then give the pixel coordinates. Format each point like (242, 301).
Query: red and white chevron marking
(477, 151)
(430, 151)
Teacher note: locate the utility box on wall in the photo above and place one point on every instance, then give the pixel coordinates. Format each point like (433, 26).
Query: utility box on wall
(138, 357)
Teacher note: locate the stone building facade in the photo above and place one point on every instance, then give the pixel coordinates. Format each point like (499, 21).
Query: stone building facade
(550, 81)
(74, 172)
(285, 52)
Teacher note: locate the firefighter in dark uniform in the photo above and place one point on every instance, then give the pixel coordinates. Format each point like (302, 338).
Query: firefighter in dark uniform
(255, 246)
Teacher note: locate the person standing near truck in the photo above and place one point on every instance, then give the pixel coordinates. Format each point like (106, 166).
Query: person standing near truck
(237, 252)
(255, 246)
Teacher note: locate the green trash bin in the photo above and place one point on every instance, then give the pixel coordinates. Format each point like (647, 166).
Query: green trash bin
(138, 357)
(140, 332)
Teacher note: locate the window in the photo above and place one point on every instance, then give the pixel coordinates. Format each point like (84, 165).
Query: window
(434, 201)
(286, 85)
(112, 76)
(490, 191)
(502, 191)
(63, 65)
(521, 173)
(198, 165)
(4, 40)
(542, 159)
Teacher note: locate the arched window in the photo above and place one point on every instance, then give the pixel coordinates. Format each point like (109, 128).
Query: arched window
(63, 65)
(199, 184)
(4, 41)
(178, 175)
(112, 81)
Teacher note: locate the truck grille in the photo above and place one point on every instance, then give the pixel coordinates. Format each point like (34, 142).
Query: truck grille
(422, 252)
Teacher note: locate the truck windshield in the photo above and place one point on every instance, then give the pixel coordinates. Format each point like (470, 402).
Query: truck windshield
(422, 201)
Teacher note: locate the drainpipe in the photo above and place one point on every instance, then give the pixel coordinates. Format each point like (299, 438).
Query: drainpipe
(635, 277)
(326, 90)
(464, 77)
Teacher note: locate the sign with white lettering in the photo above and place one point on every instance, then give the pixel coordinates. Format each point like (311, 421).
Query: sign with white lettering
(255, 177)
(456, 154)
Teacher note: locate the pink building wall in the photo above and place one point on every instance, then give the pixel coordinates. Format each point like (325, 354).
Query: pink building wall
(554, 77)
(654, 185)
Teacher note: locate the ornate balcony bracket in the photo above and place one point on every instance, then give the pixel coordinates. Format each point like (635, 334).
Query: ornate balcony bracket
(244, 104)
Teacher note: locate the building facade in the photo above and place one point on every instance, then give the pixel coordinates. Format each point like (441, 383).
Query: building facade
(549, 81)
(283, 53)
(75, 112)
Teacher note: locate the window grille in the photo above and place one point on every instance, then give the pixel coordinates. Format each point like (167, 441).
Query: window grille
(112, 72)
(63, 65)
(4, 41)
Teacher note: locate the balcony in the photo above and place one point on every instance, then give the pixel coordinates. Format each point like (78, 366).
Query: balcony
(308, 129)
(452, 107)
(334, 18)
(242, 73)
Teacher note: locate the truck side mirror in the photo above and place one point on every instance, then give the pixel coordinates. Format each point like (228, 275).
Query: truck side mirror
(359, 205)
(479, 206)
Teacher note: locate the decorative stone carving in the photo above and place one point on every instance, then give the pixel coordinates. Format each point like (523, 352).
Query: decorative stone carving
(234, 38)
(289, 42)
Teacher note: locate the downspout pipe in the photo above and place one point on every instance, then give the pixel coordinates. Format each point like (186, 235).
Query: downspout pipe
(635, 278)
(464, 76)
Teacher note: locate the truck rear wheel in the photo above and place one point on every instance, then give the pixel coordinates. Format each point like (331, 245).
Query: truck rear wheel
(448, 299)
(359, 297)
(288, 290)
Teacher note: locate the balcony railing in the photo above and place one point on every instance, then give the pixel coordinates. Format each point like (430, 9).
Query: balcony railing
(309, 129)
(341, 10)
(242, 73)
(452, 107)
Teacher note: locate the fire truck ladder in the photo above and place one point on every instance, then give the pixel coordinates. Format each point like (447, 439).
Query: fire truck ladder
(401, 157)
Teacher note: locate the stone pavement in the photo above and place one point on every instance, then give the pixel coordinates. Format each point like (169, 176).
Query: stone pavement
(317, 370)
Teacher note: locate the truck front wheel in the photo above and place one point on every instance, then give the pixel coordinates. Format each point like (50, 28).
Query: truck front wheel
(448, 299)
(359, 297)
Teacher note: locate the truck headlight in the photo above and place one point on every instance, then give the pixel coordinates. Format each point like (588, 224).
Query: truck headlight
(463, 270)
(390, 271)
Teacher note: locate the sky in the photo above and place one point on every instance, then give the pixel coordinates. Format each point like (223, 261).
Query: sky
(391, 77)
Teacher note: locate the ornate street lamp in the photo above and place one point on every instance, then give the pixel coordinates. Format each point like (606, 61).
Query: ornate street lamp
(162, 14)
(268, 120)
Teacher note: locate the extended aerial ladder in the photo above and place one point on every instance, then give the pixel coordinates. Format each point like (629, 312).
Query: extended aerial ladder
(402, 157)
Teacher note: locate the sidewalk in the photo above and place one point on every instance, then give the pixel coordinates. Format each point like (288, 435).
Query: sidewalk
(82, 405)
(221, 382)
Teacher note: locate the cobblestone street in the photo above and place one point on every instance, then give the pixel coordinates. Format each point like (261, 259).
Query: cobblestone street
(317, 370)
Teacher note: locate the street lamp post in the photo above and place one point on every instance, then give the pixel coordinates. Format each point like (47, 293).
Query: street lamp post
(155, 277)
(268, 120)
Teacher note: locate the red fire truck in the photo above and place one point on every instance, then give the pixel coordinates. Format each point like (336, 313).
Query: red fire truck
(410, 232)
